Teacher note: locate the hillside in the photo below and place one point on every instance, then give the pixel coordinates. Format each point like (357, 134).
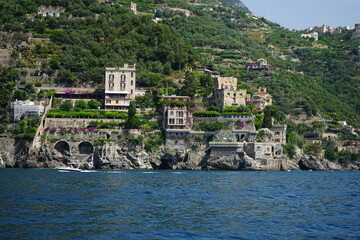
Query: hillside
(167, 38)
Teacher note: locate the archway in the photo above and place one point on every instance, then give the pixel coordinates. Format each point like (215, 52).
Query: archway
(62, 146)
(86, 148)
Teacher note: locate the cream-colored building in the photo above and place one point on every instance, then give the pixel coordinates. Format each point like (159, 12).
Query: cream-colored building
(261, 99)
(119, 87)
(177, 119)
(226, 93)
(314, 35)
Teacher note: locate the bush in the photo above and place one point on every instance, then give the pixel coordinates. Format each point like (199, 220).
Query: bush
(206, 114)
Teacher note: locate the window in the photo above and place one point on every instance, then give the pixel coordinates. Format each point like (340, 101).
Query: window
(108, 101)
(123, 77)
(111, 78)
(171, 112)
(258, 148)
(122, 86)
(117, 101)
(132, 91)
(132, 82)
(132, 74)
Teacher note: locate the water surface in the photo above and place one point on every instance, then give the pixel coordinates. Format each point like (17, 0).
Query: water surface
(114, 204)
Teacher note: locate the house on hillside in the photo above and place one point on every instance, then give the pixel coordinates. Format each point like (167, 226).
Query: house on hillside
(259, 65)
(119, 87)
(176, 117)
(226, 93)
(314, 35)
(49, 11)
(27, 108)
(261, 99)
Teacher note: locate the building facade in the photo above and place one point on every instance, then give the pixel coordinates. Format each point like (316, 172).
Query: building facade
(261, 99)
(119, 87)
(27, 108)
(226, 93)
(176, 119)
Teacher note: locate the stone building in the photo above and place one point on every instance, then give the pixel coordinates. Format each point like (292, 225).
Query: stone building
(226, 93)
(119, 87)
(176, 119)
(27, 108)
(261, 99)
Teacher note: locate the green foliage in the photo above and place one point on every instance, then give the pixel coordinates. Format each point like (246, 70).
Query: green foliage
(173, 103)
(210, 126)
(20, 94)
(81, 104)
(191, 84)
(26, 129)
(206, 114)
(132, 120)
(154, 141)
(66, 106)
(343, 157)
(87, 113)
(94, 104)
(136, 140)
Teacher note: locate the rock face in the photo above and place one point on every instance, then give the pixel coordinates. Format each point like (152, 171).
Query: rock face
(316, 164)
(128, 156)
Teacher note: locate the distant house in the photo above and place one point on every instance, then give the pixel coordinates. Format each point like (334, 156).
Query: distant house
(342, 123)
(259, 65)
(27, 108)
(49, 11)
(314, 35)
(261, 99)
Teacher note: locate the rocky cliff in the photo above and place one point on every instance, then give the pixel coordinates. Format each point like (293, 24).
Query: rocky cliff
(125, 156)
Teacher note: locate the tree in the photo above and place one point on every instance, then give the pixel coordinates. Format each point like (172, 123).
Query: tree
(81, 104)
(270, 112)
(132, 121)
(94, 104)
(191, 83)
(20, 94)
(66, 106)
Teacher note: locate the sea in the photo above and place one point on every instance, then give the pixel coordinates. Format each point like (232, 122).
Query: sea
(136, 204)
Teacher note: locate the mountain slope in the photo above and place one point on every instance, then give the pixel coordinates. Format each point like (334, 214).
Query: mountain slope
(73, 50)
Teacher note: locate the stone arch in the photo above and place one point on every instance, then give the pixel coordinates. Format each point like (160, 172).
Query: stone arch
(86, 148)
(242, 137)
(237, 137)
(62, 146)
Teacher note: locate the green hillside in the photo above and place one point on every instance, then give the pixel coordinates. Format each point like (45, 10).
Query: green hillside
(320, 76)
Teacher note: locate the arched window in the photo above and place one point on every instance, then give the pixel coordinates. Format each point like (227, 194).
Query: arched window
(111, 78)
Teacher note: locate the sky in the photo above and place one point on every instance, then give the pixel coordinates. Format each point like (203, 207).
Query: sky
(301, 14)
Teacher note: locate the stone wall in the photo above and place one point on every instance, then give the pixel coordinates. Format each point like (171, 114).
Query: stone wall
(73, 122)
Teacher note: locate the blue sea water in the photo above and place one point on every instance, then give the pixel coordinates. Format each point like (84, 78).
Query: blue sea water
(134, 204)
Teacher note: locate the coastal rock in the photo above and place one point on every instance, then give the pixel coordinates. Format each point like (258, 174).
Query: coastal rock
(311, 163)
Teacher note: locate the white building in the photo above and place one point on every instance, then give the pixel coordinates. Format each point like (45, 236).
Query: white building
(26, 108)
(314, 35)
(50, 11)
(119, 87)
